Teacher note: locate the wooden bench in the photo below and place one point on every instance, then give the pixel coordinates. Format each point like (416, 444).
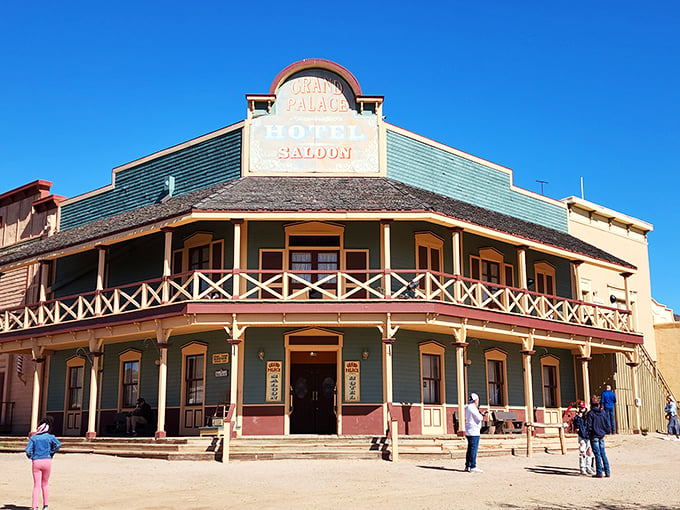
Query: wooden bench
(458, 426)
(507, 422)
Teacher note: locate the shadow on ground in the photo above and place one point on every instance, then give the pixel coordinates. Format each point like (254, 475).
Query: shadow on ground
(10, 506)
(553, 470)
(609, 505)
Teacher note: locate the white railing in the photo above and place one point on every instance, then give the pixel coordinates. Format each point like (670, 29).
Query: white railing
(287, 286)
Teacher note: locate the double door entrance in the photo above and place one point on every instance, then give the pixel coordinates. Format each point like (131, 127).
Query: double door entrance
(313, 394)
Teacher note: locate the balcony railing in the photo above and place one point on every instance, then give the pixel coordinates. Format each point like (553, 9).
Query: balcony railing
(290, 286)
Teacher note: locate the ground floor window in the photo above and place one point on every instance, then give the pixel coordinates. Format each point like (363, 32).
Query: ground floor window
(496, 377)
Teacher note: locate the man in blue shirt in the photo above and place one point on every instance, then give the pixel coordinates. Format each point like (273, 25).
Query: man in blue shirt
(608, 401)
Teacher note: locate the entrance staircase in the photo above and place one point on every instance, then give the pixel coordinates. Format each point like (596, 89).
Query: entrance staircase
(251, 448)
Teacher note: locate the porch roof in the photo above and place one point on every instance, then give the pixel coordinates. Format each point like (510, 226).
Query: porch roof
(305, 194)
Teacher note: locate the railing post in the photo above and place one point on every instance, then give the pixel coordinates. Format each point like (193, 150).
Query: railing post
(394, 433)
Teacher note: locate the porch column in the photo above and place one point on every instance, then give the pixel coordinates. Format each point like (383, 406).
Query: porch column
(456, 241)
(101, 271)
(386, 255)
(39, 362)
(460, 344)
(94, 389)
(629, 305)
(584, 358)
(388, 381)
(522, 267)
(162, 336)
(167, 258)
(42, 289)
(528, 351)
(575, 266)
(633, 364)
(237, 257)
(234, 393)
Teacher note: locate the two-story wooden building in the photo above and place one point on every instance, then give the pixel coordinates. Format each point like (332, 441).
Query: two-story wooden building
(319, 270)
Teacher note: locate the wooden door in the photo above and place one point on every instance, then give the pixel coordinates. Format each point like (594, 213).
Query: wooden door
(73, 416)
(193, 388)
(313, 390)
(433, 408)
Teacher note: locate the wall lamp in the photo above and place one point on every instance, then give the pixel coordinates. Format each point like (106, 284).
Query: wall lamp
(364, 354)
(260, 354)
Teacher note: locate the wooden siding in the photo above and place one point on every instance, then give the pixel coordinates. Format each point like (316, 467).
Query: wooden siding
(213, 161)
(57, 381)
(418, 164)
(371, 390)
(13, 285)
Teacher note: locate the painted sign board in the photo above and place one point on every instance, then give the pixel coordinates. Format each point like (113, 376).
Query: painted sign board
(220, 358)
(314, 127)
(274, 374)
(352, 381)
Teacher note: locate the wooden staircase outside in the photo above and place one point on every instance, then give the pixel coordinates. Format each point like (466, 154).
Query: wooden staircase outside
(251, 448)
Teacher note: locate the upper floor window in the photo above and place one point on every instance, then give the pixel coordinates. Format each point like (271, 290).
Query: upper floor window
(545, 278)
(490, 267)
(429, 249)
(200, 251)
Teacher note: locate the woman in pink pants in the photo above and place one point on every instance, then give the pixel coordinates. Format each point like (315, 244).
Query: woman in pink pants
(40, 449)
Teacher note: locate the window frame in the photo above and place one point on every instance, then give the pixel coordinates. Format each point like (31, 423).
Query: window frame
(549, 360)
(193, 349)
(497, 355)
(74, 362)
(128, 356)
(432, 348)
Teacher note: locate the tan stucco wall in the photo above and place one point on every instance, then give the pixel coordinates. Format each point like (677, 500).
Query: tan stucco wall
(628, 242)
(668, 352)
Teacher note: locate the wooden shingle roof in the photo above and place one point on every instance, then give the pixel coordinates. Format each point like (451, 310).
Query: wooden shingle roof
(305, 194)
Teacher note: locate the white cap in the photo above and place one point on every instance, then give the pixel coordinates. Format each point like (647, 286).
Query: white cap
(473, 397)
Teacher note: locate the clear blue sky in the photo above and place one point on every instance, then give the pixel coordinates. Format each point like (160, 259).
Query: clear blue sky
(554, 90)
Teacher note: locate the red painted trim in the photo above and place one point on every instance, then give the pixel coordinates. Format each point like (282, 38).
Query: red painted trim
(40, 186)
(315, 63)
(48, 202)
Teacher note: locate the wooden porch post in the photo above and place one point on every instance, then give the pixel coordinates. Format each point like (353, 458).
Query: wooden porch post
(575, 266)
(237, 258)
(386, 255)
(162, 336)
(527, 352)
(39, 362)
(94, 353)
(584, 358)
(456, 241)
(629, 305)
(460, 344)
(167, 258)
(101, 271)
(633, 364)
(522, 276)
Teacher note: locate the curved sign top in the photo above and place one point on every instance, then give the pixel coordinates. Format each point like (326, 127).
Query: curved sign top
(313, 126)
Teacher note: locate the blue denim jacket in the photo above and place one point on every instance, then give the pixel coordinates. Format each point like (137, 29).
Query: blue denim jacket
(42, 446)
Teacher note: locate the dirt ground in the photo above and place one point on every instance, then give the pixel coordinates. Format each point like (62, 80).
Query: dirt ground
(645, 475)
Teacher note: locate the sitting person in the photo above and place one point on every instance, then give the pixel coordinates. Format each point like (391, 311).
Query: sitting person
(141, 414)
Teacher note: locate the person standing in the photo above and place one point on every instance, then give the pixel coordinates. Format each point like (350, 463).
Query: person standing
(671, 411)
(597, 425)
(586, 459)
(40, 449)
(473, 427)
(608, 403)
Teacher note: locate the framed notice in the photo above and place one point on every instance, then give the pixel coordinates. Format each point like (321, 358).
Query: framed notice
(274, 374)
(220, 358)
(352, 381)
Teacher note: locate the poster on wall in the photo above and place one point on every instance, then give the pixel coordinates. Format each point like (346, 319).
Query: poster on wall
(274, 373)
(352, 380)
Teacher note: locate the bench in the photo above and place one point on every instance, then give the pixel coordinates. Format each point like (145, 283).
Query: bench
(507, 422)
(487, 426)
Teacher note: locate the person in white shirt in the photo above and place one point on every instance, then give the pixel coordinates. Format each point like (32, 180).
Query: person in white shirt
(473, 426)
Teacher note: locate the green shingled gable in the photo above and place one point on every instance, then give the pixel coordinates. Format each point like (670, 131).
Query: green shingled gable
(418, 164)
(201, 165)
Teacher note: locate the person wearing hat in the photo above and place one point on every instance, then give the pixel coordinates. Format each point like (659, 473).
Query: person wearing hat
(671, 411)
(141, 414)
(473, 427)
(597, 425)
(586, 459)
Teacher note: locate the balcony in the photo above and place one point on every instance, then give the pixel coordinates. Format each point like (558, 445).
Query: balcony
(367, 286)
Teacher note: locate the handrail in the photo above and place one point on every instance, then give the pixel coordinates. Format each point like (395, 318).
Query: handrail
(313, 285)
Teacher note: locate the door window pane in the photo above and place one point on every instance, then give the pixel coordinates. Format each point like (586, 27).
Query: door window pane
(496, 383)
(75, 387)
(431, 379)
(550, 386)
(130, 383)
(194, 379)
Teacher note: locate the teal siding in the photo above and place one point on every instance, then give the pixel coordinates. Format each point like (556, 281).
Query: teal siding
(148, 372)
(355, 340)
(207, 163)
(406, 366)
(57, 391)
(136, 260)
(567, 375)
(418, 164)
(271, 340)
(75, 274)
(477, 370)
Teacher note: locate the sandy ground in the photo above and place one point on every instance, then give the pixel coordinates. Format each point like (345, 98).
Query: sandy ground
(645, 475)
